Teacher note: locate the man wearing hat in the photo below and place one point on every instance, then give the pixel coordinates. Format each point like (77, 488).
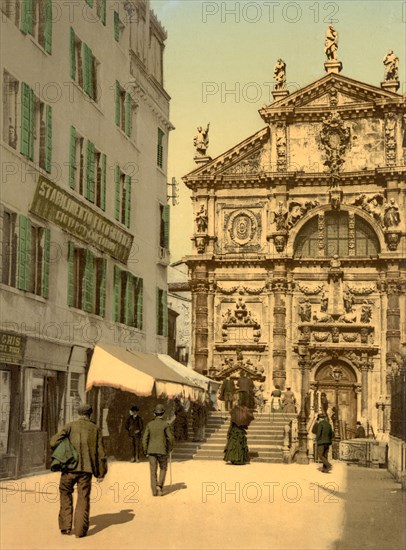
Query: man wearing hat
(158, 442)
(134, 426)
(86, 437)
(324, 438)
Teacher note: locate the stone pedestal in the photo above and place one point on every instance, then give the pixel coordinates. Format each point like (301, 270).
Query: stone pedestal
(333, 67)
(390, 85)
(202, 159)
(280, 94)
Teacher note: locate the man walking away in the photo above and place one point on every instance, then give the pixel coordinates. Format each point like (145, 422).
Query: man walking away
(158, 442)
(324, 438)
(86, 437)
(134, 426)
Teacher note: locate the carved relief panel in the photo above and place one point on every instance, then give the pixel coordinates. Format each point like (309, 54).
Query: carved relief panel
(240, 228)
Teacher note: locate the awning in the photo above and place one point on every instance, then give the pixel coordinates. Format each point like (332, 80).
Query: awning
(138, 373)
(190, 374)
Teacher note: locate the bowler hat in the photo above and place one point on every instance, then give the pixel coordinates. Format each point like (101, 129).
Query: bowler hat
(159, 409)
(134, 408)
(85, 410)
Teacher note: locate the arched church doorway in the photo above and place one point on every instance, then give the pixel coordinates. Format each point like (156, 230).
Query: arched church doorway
(339, 382)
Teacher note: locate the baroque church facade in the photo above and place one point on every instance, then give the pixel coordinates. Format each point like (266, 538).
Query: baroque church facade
(297, 272)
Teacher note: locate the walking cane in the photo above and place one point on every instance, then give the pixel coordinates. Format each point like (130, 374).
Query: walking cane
(170, 469)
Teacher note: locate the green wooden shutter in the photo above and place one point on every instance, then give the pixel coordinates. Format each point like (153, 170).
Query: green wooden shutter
(116, 27)
(88, 283)
(164, 313)
(158, 308)
(45, 263)
(129, 300)
(24, 253)
(27, 121)
(117, 294)
(128, 114)
(90, 3)
(72, 54)
(117, 103)
(71, 269)
(86, 69)
(117, 197)
(48, 139)
(26, 16)
(102, 290)
(165, 219)
(127, 200)
(72, 157)
(160, 148)
(89, 186)
(140, 288)
(103, 182)
(103, 12)
(48, 26)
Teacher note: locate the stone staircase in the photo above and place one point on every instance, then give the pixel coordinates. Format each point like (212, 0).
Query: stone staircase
(186, 450)
(265, 439)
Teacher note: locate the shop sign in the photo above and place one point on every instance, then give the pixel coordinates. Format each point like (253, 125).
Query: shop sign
(11, 348)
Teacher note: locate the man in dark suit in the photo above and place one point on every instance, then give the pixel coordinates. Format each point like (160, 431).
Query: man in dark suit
(324, 438)
(158, 442)
(134, 426)
(86, 437)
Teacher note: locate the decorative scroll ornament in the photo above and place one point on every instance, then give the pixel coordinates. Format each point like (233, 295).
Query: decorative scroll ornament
(281, 148)
(296, 211)
(335, 139)
(242, 227)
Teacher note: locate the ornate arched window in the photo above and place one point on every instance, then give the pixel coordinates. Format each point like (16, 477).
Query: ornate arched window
(340, 233)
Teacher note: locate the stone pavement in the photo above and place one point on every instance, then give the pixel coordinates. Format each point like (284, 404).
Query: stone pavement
(212, 505)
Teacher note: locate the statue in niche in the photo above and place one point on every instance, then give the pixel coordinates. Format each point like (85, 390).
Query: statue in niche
(280, 217)
(201, 140)
(366, 312)
(331, 44)
(348, 302)
(279, 74)
(305, 312)
(391, 62)
(391, 217)
(202, 219)
(323, 302)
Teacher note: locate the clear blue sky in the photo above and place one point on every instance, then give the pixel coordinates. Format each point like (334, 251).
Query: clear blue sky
(219, 59)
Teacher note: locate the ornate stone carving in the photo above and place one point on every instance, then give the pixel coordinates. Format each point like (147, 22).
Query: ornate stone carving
(335, 192)
(279, 284)
(249, 165)
(242, 226)
(390, 139)
(351, 234)
(391, 62)
(240, 317)
(334, 138)
(310, 290)
(392, 239)
(296, 211)
(201, 219)
(320, 229)
(280, 218)
(201, 243)
(241, 289)
(374, 205)
(279, 75)
(391, 216)
(280, 241)
(321, 336)
(350, 336)
(333, 97)
(201, 141)
(305, 311)
(366, 312)
(359, 291)
(281, 148)
(331, 44)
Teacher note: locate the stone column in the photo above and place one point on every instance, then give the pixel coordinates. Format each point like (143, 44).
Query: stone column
(364, 389)
(279, 287)
(211, 329)
(200, 288)
(392, 333)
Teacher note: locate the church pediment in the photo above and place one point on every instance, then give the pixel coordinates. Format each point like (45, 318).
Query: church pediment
(246, 158)
(332, 91)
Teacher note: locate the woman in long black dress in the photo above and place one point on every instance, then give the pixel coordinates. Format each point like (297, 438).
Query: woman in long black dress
(236, 450)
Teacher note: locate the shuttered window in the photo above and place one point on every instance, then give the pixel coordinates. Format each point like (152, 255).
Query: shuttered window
(127, 200)
(72, 54)
(48, 138)
(26, 21)
(128, 114)
(48, 27)
(117, 294)
(139, 288)
(45, 269)
(161, 312)
(164, 226)
(127, 299)
(160, 148)
(86, 280)
(27, 121)
(116, 27)
(72, 158)
(24, 252)
(90, 169)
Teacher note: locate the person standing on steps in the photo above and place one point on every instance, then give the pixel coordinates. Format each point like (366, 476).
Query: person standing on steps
(86, 438)
(158, 443)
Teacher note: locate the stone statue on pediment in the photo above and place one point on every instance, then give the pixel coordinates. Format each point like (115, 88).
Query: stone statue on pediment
(305, 312)
(391, 62)
(201, 140)
(279, 74)
(280, 218)
(331, 44)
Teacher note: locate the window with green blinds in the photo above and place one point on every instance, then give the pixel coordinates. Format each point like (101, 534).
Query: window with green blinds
(24, 253)
(160, 148)
(48, 138)
(27, 121)
(26, 20)
(90, 172)
(116, 27)
(48, 27)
